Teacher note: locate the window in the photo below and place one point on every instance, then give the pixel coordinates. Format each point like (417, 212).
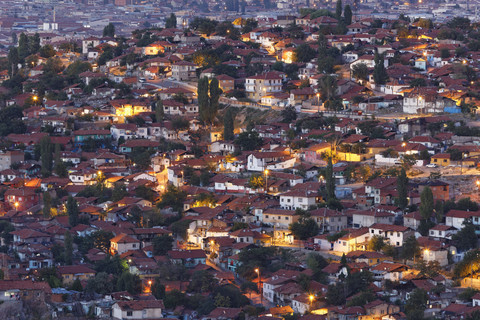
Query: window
(286, 218)
(129, 313)
(372, 231)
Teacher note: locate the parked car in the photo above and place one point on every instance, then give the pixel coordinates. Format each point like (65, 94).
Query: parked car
(432, 165)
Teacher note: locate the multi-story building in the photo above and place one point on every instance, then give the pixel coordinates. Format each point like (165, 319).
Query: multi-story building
(263, 84)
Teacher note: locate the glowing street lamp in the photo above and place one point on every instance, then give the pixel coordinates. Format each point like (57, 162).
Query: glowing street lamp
(16, 204)
(266, 180)
(311, 298)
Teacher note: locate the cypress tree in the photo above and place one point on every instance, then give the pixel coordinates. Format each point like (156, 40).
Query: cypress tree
(68, 248)
(380, 75)
(347, 14)
(203, 100)
(23, 50)
(228, 125)
(159, 111)
(330, 180)
(72, 211)
(402, 189)
(338, 10)
(426, 203)
(46, 156)
(215, 93)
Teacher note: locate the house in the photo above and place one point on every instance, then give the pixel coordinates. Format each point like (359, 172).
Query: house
(412, 220)
(123, 243)
(354, 240)
(329, 220)
(270, 160)
(280, 218)
(440, 231)
(435, 250)
(457, 218)
(71, 273)
(138, 309)
(11, 290)
(225, 82)
(441, 159)
(263, 84)
(366, 218)
(395, 235)
(389, 271)
(8, 158)
(440, 189)
(189, 258)
(29, 236)
(299, 197)
(377, 309)
(81, 136)
(21, 198)
(184, 70)
(221, 313)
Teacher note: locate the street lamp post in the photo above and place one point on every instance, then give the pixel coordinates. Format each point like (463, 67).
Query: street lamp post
(257, 270)
(311, 298)
(266, 180)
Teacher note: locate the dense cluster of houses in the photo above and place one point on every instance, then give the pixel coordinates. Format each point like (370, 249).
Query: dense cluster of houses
(121, 159)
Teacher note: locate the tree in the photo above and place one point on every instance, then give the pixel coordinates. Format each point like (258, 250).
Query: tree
(335, 295)
(402, 190)
(347, 14)
(256, 181)
(289, 114)
(23, 50)
(426, 203)
(129, 282)
(72, 211)
(466, 238)
(419, 82)
(173, 197)
(330, 180)
(203, 99)
(303, 53)
(360, 71)
(249, 140)
(162, 244)
(410, 248)
(215, 93)
(416, 304)
(202, 281)
(171, 22)
(304, 228)
(68, 248)
(77, 285)
(47, 204)
(34, 43)
(376, 243)
(228, 125)
(159, 111)
(338, 10)
(47, 51)
(46, 149)
(380, 75)
(13, 60)
(119, 192)
(158, 289)
(109, 30)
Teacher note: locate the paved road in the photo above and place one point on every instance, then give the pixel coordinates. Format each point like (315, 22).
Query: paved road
(168, 83)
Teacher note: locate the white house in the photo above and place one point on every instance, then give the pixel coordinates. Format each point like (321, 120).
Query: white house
(270, 160)
(140, 309)
(394, 234)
